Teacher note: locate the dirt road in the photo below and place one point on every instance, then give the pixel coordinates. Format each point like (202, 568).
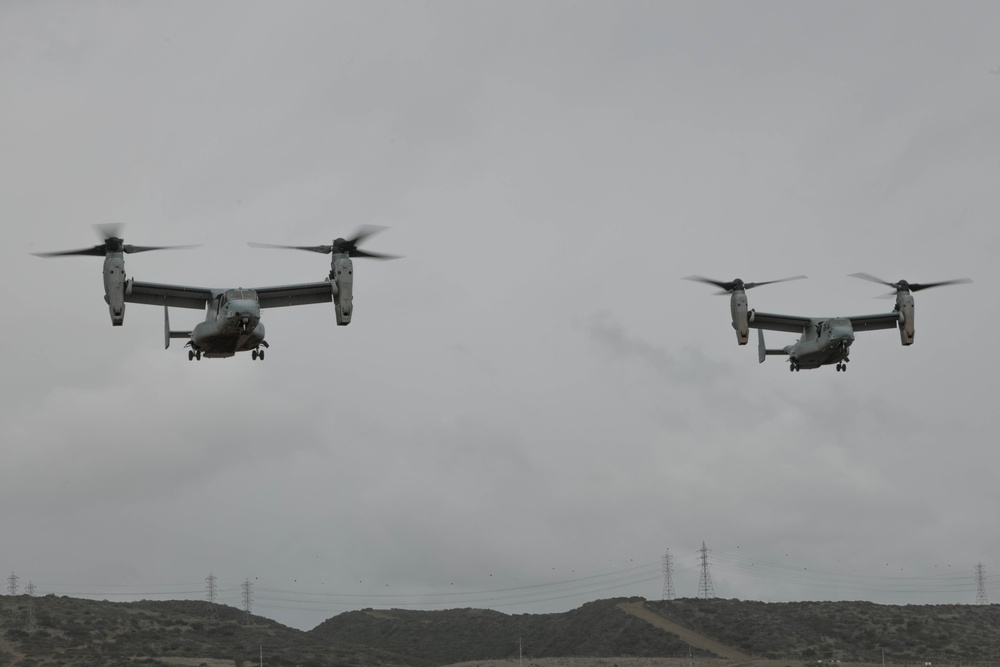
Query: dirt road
(639, 610)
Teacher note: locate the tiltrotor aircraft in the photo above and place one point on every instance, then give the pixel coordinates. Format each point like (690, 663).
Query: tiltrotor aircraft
(232, 316)
(824, 340)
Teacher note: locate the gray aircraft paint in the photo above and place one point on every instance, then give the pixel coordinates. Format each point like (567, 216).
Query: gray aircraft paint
(823, 341)
(232, 315)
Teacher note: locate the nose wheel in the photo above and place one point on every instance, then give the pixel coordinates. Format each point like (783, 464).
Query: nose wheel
(259, 353)
(192, 354)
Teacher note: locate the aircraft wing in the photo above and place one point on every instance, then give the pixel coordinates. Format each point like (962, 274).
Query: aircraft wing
(175, 296)
(295, 295)
(875, 322)
(773, 322)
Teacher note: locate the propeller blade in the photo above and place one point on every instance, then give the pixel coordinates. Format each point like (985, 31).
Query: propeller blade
(726, 287)
(109, 230)
(341, 245)
(873, 279)
(364, 232)
(97, 250)
(916, 287)
(729, 285)
(145, 248)
(771, 282)
(373, 255)
(325, 249)
(112, 243)
(905, 286)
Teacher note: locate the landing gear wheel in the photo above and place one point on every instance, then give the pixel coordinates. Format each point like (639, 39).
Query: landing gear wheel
(190, 355)
(262, 355)
(253, 355)
(197, 355)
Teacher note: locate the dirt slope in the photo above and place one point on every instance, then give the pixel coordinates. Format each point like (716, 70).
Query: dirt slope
(638, 609)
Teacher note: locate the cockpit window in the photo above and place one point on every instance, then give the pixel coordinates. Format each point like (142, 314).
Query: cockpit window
(240, 294)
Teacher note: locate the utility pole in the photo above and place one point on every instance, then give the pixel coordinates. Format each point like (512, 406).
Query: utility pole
(668, 576)
(247, 598)
(210, 591)
(705, 589)
(981, 584)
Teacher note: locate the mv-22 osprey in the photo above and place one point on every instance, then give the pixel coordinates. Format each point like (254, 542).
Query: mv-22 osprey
(232, 315)
(823, 340)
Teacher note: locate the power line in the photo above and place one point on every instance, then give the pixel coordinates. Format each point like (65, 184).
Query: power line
(778, 576)
(814, 579)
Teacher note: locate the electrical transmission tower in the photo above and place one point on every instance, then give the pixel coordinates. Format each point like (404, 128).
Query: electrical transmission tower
(668, 576)
(12, 590)
(981, 584)
(30, 623)
(210, 590)
(705, 589)
(247, 599)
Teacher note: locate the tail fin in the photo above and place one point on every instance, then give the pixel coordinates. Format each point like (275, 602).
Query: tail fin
(762, 350)
(167, 333)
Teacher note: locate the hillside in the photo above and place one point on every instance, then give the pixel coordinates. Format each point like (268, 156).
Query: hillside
(74, 632)
(596, 629)
(847, 631)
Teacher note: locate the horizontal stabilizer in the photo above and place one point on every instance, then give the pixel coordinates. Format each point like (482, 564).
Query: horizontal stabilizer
(167, 333)
(762, 350)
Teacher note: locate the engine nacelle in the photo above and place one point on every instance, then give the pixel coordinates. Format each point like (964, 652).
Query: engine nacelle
(741, 323)
(342, 273)
(114, 286)
(904, 306)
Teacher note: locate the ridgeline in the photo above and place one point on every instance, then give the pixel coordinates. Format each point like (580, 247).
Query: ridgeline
(74, 632)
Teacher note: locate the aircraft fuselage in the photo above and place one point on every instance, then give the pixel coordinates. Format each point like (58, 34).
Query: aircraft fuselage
(232, 325)
(822, 343)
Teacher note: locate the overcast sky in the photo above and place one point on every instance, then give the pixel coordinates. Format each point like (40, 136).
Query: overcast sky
(531, 406)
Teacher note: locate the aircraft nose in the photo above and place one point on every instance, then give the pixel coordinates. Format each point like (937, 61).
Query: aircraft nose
(844, 334)
(244, 312)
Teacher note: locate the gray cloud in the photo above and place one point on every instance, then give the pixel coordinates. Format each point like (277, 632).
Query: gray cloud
(532, 396)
